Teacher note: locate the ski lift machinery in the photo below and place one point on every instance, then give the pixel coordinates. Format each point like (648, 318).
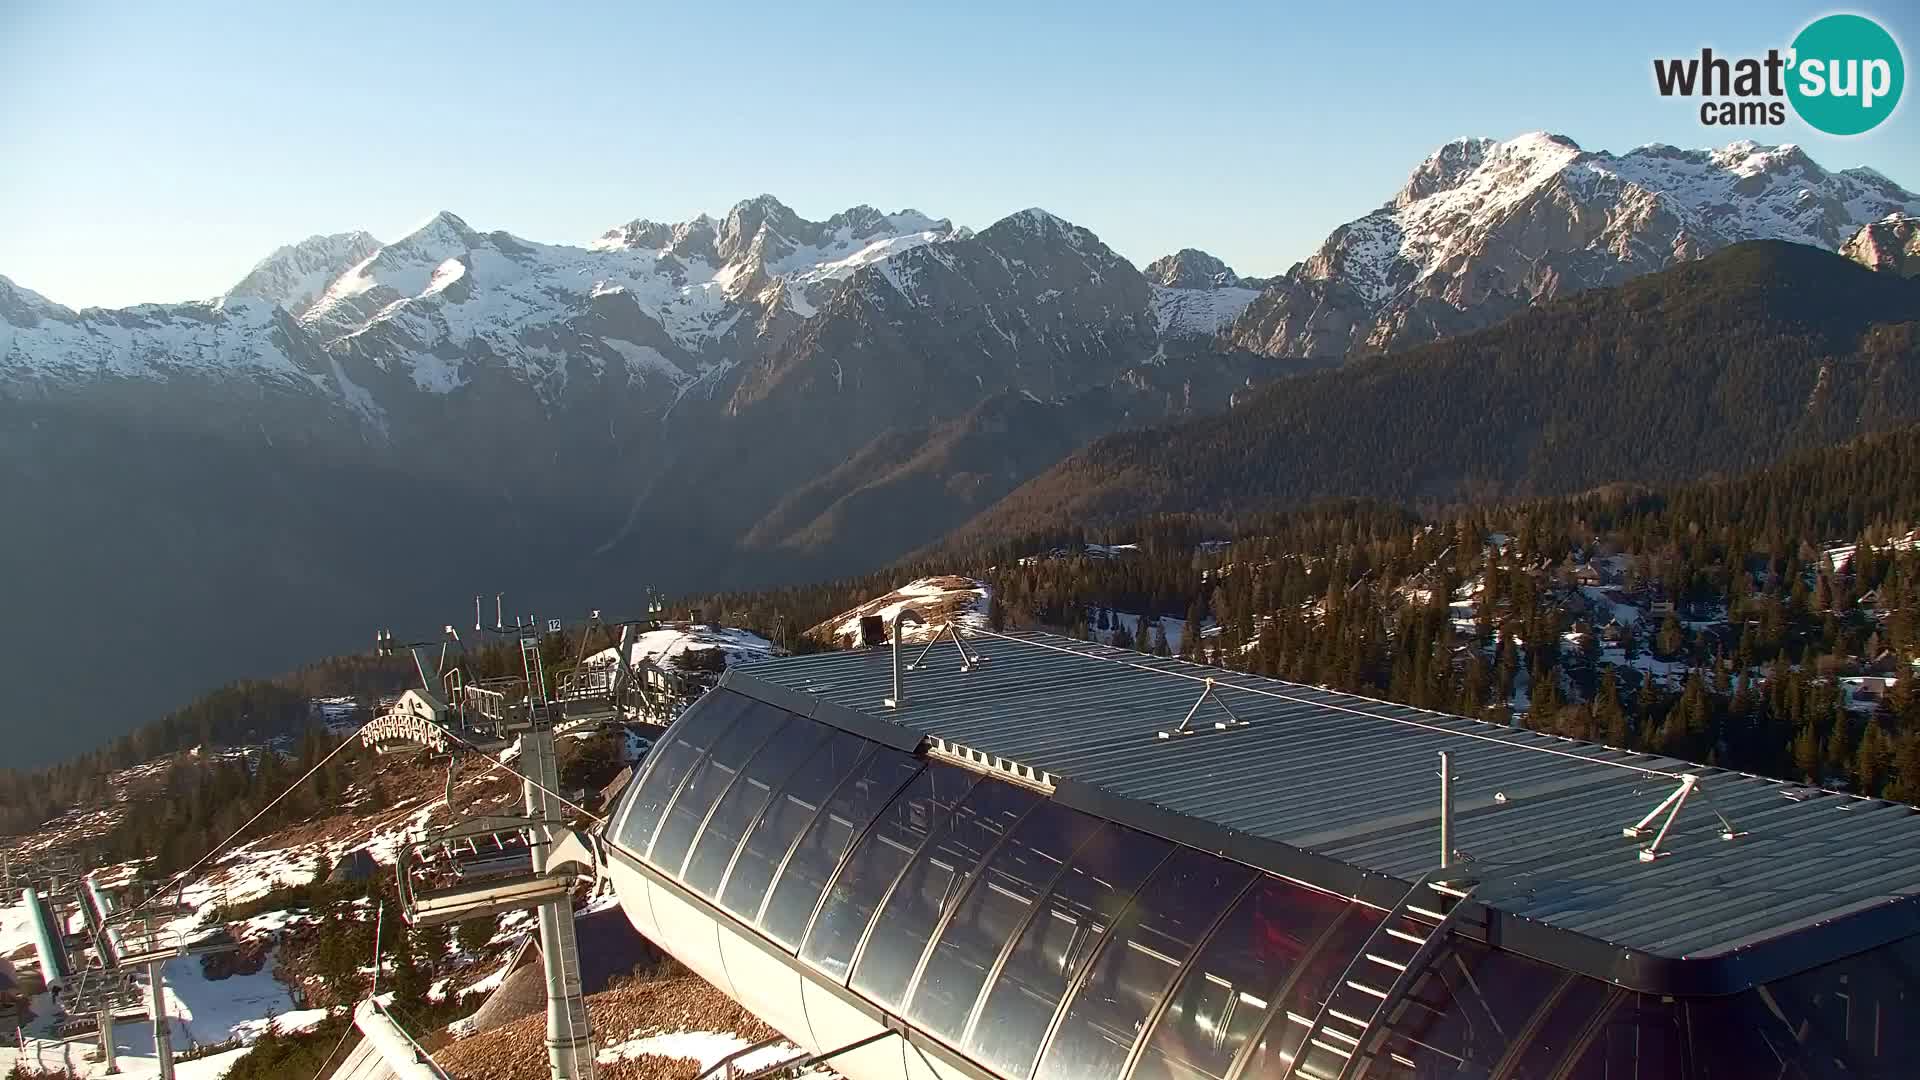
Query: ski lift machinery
(481, 866)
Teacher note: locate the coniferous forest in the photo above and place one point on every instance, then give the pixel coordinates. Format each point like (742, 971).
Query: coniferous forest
(1748, 624)
(1498, 610)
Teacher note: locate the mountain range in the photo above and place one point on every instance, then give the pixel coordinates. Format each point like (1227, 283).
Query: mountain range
(360, 432)
(1717, 366)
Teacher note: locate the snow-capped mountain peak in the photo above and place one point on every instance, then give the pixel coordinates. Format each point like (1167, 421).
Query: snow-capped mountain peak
(1483, 227)
(296, 275)
(1191, 268)
(1196, 295)
(18, 300)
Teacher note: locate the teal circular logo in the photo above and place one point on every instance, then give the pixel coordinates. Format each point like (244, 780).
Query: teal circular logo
(1846, 75)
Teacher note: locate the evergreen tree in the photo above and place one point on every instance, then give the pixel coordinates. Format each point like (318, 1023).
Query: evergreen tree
(1873, 761)
(473, 934)
(1608, 716)
(1806, 754)
(1672, 639)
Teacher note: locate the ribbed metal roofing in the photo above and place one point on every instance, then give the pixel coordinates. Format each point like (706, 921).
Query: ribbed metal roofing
(1356, 780)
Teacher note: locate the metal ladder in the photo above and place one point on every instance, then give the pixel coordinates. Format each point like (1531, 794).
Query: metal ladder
(1377, 979)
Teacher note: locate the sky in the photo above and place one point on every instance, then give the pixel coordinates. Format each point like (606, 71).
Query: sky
(155, 152)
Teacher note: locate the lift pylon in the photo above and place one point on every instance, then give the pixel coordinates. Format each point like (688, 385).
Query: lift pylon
(484, 866)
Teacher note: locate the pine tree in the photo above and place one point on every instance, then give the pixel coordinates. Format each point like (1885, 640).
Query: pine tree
(1608, 716)
(1872, 761)
(473, 934)
(431, 944)
(1672, 639)
(1839, 756)
(1806, 754)
(410, 981)
(1158, 645)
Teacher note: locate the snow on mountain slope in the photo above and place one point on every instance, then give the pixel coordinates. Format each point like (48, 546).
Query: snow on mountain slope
(296, 275)
(1197, 295)
(1483, 227)
(1199, 312)
(666, 304)
(42, 340)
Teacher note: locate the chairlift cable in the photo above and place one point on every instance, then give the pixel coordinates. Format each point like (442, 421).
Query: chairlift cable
(187, 876)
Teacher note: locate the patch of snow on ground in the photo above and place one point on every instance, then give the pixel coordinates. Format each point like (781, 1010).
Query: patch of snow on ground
(939, 600)
(668, 645)
(202, 1011)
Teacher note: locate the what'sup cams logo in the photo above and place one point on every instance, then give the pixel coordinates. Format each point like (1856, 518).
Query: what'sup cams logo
(1843, 75)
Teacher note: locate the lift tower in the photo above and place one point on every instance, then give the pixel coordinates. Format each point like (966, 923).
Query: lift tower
(483, 866)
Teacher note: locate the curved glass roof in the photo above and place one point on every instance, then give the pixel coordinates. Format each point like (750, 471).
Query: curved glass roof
(1342, 791)
(1040, 941)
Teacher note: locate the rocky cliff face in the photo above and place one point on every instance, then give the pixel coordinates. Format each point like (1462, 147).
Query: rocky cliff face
(1482, 229)
(1891, 245)
(296, 275)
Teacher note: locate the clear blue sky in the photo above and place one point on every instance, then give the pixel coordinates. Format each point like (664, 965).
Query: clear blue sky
(155, 151)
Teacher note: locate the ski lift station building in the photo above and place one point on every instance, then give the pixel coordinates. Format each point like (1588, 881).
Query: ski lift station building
(1057, 861)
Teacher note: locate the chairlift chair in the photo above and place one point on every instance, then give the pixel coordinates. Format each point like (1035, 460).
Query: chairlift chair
(473, 869)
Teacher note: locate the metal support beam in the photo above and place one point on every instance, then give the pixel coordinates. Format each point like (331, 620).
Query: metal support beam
(1671, 806)
(1206, 693)
(107, 1049)
(570, 1047)
(1446, 814)
(162, 1027)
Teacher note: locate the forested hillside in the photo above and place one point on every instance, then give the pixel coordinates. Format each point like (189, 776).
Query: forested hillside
(1767, 622)
(1718, 366)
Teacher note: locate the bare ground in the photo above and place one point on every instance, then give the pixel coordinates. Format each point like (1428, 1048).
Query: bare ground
(679, 1002)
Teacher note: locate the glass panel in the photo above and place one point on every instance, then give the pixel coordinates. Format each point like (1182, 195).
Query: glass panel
(1465, 1013)
(1559, 1033)
(1054, 947)
(1739, 1036)
(1852, 1017)
(1227, 993)
(1139, 963)
(925, 806)
(776, 760)
(793, 809)
(1642, 1040)
(708, 781)
(824, 843)
(1860, 1009)
(931, 886)
(1273, 1051)
(994, 910)
(677, 752)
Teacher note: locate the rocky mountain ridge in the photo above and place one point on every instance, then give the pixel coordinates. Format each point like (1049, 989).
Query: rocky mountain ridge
(1891, 244)
(362, 431)
(1483, 228)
